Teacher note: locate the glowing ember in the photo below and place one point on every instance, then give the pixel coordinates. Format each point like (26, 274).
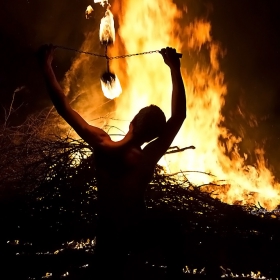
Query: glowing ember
(88, 11)
(78, 156)
(107, 29)
(110, 85)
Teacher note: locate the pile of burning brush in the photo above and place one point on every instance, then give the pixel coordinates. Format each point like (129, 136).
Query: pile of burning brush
(48, 210)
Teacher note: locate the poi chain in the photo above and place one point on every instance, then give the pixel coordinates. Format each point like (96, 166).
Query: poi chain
(105, 56)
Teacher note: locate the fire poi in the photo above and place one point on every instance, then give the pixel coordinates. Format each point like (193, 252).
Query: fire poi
(110, 83)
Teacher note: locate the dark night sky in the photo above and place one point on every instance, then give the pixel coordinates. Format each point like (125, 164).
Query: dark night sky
(248, 30)
(24, 26)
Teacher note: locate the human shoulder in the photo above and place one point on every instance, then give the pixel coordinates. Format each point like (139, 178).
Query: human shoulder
(94, 136)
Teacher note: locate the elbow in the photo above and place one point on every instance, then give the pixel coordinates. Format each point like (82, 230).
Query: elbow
(183, 112)
(60, 111)
(179, 118)
(182, 116)
(61, 108)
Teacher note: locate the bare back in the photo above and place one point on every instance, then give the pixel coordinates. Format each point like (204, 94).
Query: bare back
(122, 177)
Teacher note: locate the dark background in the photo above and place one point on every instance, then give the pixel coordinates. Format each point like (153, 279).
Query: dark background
(247, 30)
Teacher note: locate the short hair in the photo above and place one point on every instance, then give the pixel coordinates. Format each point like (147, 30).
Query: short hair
(149, 123)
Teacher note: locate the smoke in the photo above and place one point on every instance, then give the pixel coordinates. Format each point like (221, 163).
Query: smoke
(82, 84)
(24, 26)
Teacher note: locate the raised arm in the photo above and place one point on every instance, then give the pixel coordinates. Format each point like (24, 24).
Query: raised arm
(92, 135)
(158, 147)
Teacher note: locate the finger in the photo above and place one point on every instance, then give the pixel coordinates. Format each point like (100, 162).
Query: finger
(164, 53)
(170, 50)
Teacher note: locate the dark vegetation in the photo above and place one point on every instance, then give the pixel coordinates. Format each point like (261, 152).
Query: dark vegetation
(48, 216)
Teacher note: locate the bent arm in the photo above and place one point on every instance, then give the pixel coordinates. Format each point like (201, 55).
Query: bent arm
(156, 149)
(178, 103)
(92, 135)
(55, 91)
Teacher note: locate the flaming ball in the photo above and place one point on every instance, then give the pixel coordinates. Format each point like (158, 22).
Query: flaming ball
(110, 85)
(107, 29)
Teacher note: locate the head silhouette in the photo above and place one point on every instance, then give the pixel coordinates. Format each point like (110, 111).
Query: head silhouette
(148, 123)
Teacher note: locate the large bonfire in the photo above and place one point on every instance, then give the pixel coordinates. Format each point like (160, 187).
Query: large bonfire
(153, 25)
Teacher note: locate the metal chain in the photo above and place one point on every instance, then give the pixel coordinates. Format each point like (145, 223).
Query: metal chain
(75, 50)
(129, 55)
(105, 56)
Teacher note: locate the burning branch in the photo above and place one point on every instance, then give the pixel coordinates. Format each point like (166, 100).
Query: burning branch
(176, 149)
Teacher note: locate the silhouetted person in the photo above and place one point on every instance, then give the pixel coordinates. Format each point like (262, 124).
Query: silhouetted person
(124, 169)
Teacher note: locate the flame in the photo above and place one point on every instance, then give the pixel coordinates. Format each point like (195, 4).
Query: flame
(88, 11)
(110, 85)
(107, 29)
(102, 2)
(150, 25)
(139, 31)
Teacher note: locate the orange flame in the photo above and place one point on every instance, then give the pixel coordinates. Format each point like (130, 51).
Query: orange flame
(149, 25)
(206, 93)
(107, 29)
